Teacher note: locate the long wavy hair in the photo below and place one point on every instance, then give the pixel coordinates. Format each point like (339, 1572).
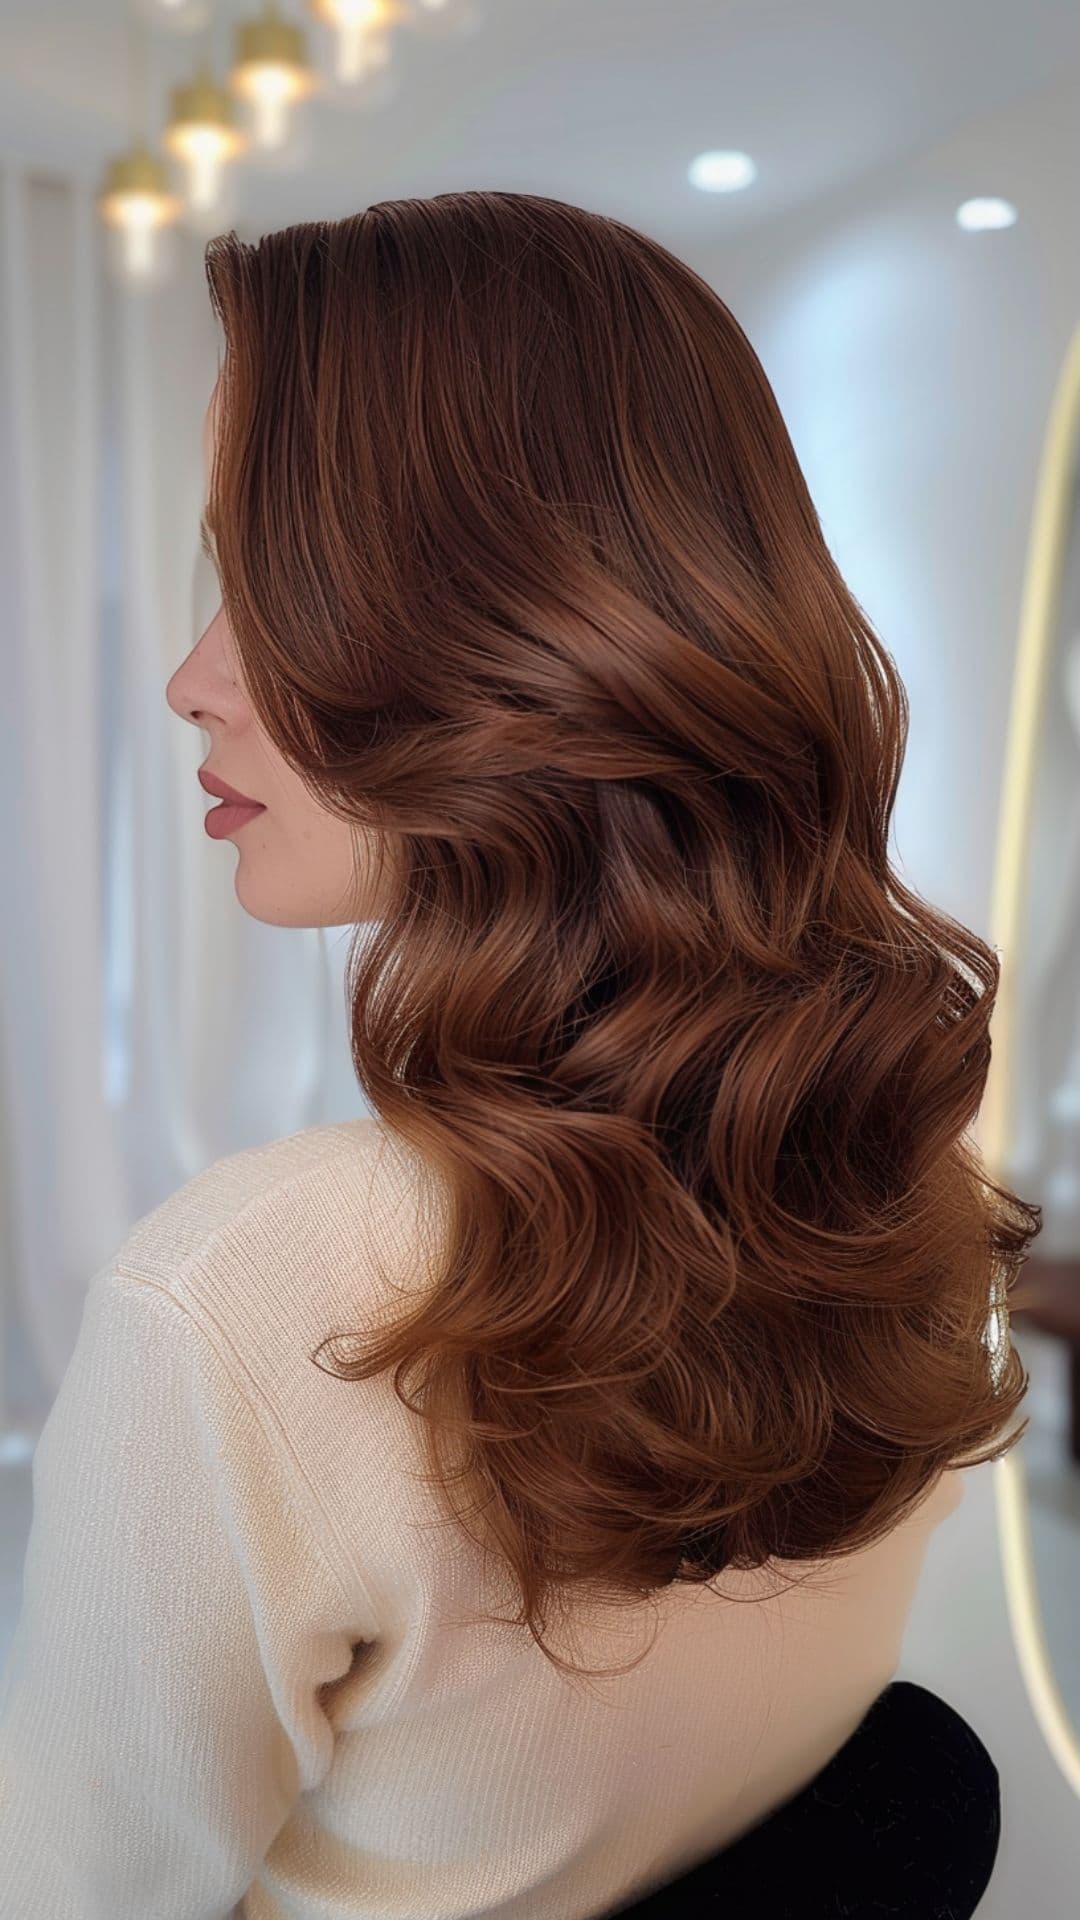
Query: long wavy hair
(526, 583)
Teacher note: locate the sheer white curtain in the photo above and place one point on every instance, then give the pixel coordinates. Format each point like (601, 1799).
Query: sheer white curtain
(149, 1025)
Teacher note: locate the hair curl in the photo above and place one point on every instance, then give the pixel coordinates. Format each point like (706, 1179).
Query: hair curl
(526, 583)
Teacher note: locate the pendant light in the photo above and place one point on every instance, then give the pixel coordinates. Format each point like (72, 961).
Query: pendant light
(202, 132)
(363, 30)
(271, 71)
(136, 202)
(135, 199)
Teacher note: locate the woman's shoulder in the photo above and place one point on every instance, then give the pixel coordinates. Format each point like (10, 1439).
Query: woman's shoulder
(247, 1191)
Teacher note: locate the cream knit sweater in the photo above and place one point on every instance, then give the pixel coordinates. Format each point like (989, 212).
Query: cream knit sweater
(245, 1681)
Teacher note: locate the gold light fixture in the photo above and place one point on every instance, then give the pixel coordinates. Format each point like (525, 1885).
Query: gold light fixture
(271, 71)
(202, 132)
(136, 202)
(363, 33)
(135, 199)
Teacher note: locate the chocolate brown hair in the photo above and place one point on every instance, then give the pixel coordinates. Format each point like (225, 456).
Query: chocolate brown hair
(526, 582)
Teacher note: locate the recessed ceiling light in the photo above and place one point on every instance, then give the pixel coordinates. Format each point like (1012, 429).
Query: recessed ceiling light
(720, 171)
(977, 215)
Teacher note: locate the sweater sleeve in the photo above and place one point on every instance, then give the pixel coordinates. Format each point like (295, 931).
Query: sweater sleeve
(160, 1713)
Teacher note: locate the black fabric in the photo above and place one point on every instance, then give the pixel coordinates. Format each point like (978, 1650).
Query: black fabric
(902, 1824)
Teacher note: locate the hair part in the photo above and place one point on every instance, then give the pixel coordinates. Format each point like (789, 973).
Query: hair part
(527, 583)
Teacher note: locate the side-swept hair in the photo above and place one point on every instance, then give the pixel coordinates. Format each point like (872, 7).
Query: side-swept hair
(526, 582)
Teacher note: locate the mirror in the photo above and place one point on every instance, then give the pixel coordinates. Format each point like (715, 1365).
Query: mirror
(1028, 1128)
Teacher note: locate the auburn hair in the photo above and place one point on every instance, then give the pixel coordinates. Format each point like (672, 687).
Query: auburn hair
(525, 581)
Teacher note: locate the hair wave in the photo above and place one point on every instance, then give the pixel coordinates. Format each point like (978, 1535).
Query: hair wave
(526, 582)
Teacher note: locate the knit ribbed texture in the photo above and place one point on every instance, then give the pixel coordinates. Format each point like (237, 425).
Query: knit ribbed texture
(246, 1683)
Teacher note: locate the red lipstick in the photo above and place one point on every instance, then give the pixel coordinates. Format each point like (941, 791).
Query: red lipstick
(221, 791)
(235, 811)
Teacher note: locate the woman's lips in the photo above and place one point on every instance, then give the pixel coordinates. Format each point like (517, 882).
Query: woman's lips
(226, 818)
(235, 809)
(221, 790)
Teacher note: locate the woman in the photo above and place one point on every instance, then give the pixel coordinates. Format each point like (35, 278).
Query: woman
(667, 1269)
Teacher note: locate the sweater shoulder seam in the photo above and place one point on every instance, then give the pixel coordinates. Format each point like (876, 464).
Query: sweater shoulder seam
(320, 1525)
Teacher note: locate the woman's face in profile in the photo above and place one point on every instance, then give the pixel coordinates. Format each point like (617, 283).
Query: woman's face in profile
(296, 860)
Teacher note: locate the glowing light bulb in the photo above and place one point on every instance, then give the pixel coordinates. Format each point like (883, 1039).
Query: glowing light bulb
(721, 171)
(358, 51)
(270, 93)
(361, 27)
(977, 216)
(201, 133)
(136, 205)
(134, 248)
(271, 71)
(204, 158)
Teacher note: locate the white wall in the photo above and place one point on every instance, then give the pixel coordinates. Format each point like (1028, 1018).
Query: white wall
(915, 365)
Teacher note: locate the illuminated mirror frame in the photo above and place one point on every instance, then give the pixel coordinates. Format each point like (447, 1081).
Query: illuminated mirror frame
(1051, 525)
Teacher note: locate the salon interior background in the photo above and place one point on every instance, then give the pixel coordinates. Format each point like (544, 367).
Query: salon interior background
(885, 195)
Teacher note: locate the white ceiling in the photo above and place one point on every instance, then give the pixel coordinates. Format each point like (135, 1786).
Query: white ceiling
(600, 102)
